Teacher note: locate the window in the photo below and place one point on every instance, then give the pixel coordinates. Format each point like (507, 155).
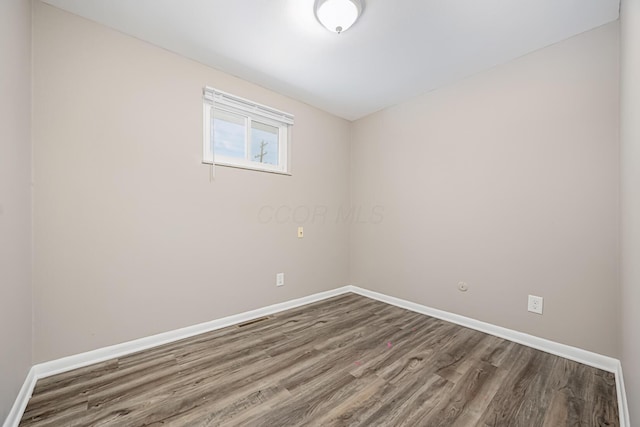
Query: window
(241, 133)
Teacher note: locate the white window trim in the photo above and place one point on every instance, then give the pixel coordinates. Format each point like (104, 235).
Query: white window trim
(216, 99)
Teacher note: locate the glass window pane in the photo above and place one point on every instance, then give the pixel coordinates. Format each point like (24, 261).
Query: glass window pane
(229, 134)
(264, 143)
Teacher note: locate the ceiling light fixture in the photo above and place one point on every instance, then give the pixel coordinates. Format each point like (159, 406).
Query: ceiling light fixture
(338, 15)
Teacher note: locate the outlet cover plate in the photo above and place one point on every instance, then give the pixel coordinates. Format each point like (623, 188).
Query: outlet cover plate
(535, 304)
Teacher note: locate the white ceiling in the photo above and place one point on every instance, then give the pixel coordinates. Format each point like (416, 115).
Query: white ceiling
(398, 48)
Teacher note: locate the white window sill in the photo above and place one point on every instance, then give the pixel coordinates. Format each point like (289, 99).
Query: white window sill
(250, 168)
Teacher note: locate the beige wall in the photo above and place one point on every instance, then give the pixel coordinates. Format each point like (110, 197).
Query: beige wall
(507, 181)
(131, 238)
(15, 198)
(630, 166)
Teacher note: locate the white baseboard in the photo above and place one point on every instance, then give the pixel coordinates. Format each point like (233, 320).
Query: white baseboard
(599, 361)
(20, 404)
(585, 357)
(623, 407)
(65, 364)
(69, 363)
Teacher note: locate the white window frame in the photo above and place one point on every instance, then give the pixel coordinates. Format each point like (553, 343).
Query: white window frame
(252, 112)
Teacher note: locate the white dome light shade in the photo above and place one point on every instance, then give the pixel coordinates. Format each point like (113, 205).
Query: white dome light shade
(338, 15)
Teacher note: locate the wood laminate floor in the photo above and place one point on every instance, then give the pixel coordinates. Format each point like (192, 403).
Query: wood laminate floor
(345, 361)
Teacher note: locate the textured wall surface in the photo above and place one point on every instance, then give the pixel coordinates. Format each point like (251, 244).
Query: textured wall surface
(630, 195)
(131, 238)
(507, 181)
(15, 199)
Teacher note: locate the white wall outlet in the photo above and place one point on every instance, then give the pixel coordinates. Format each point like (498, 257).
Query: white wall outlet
(463, 287)
(280, 279)
(300, 232)
(535, 304)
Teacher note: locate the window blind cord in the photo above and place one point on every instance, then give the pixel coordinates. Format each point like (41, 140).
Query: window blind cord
(212, 168)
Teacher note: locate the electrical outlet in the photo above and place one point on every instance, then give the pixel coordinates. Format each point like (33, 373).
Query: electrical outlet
(280, 279)
(535, 304)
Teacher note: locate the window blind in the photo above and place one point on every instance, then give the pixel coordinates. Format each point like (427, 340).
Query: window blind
(215, 96)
